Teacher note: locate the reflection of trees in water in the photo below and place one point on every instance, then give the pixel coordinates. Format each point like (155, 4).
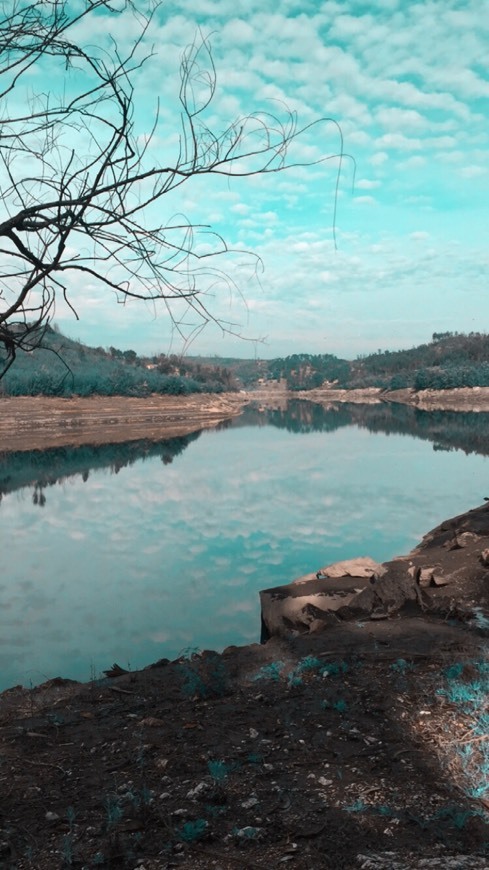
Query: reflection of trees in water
(447, 430)
(43, 468)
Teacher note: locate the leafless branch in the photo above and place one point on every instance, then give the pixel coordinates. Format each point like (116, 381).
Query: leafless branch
(85, 208)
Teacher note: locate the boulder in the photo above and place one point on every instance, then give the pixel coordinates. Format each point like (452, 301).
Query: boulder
(363, 567)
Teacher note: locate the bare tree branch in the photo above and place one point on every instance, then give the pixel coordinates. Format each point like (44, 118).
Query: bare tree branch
(59, 199)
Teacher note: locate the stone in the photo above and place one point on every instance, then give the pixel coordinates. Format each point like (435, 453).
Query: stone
(484, 557)
(363, 566)
(199, 790)
(425, 576)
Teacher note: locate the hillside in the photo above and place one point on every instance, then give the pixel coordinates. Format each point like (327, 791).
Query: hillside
(449, 361)
(67, 367)
(63, 367)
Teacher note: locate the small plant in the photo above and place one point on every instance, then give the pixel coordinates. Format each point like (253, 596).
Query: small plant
(254, 758)
(358, 807)
(270, 672)
(401, 666)
(340, 706)
(114, 811)
(193, 831)
(458, 816)
(67, 851)
(67, 847)
(218, 771)
(335, 669)
(306, 665)
(203, 677)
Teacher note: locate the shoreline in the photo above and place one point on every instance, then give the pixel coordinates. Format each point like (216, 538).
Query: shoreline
(40, 422)
(462, 399)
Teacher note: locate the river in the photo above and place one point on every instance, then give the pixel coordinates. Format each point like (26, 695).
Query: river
(135, 552)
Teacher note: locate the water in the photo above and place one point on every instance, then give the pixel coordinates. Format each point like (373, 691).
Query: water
(129, 553)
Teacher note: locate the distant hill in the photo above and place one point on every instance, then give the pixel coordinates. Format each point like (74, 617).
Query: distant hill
(63, 367)
(450, 360)
(66, 367)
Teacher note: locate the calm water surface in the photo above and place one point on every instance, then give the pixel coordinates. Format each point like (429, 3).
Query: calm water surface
(133, 562)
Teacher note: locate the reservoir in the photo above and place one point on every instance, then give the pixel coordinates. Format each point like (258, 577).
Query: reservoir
(131, 553)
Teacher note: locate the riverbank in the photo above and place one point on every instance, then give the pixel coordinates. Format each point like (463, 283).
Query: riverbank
(463, 399)
(360, 746)
(39, 422)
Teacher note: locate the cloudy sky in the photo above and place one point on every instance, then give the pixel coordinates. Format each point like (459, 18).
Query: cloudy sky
(409, 84)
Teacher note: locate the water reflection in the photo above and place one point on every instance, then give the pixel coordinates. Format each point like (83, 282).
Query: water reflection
(133, 560)
(41, 469)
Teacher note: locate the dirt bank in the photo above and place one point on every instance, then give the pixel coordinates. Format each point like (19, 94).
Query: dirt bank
(464, 399)
(29, 423)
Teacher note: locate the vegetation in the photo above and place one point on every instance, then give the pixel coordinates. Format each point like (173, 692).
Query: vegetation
(63, 367)
(450, 360)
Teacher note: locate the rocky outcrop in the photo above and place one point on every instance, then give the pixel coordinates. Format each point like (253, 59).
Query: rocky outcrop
(446, 575)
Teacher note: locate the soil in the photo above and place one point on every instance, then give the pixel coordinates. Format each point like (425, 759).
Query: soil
(461, 399)
(38, 422)
(362, 746)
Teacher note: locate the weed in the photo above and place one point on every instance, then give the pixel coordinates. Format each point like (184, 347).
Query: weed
(458, 816)
(114, 811)
(470, 696)
(358, 807)
(67, 846)
(193, 831)
(340, 705)
(203, 678)
(270, 672)
(219, 771)
(334, 669)
(254, 758)
(401, 666)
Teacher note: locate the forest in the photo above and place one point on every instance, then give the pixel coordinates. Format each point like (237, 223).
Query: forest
(64, 367)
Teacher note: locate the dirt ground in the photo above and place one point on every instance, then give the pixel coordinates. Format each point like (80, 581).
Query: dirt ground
(37, 422)
(339, 751)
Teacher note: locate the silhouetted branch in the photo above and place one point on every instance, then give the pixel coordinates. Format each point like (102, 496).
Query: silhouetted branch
(75, 176)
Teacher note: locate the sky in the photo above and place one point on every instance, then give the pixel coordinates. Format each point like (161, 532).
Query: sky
(408, 83)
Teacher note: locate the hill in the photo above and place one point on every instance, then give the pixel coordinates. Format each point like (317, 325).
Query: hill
(67, 367)
(449, 361)
(64, 367)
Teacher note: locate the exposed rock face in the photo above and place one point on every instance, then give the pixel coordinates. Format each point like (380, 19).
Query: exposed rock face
(447, 574)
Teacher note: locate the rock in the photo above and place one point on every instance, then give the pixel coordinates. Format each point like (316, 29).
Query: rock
(466, 538)
(432, 576)
(425, 576)
(364, 567)
(484, 557)
(249, 833)
(199, 790)
(250, 802)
